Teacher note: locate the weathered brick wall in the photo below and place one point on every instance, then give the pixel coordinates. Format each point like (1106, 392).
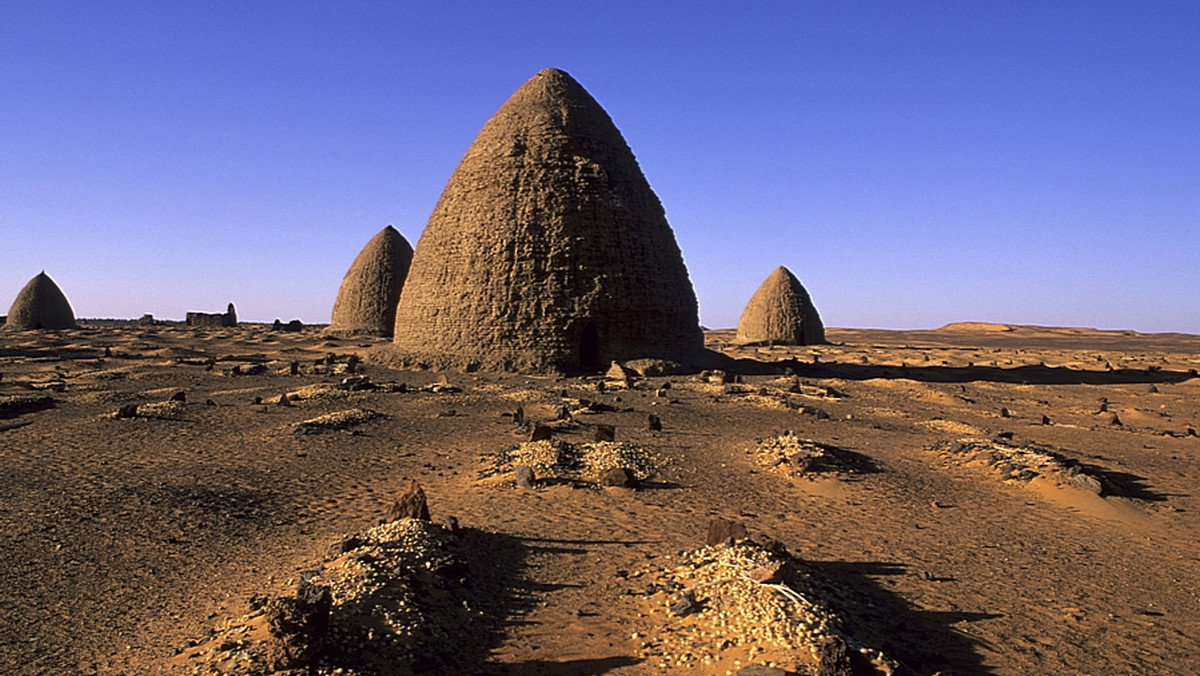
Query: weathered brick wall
(547, 250)
(205, 319)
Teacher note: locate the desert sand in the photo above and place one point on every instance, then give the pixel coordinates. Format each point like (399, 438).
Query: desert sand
(942, 518)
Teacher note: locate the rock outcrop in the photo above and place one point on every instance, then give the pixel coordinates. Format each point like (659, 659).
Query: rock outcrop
(781, 313)
(366, 300)
(40, 305)
(547, 251)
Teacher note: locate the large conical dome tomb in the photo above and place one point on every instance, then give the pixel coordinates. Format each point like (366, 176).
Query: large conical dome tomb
(547, 251)
(40, 305)
(366, 300)
(780, 312)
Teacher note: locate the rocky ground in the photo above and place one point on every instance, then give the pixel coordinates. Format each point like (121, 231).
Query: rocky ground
(977, 499)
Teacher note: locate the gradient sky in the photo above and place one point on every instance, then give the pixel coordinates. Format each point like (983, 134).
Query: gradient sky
(913, 163)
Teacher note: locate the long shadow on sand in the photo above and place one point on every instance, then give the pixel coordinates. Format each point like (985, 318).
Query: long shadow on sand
(1021, 375)
(924, 640)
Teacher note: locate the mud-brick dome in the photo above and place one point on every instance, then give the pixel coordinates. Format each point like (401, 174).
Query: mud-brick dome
(40, 305)
(547, 251)
(366, 300)
(780, 312)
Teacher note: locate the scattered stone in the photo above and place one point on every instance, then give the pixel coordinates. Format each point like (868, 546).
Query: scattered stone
(768, 574)
(541, 433)
(337, 420)
(356, 384)
(606, 433)
(685, 604)
(146, 320)
(761, 670)
(833, 657)
(519, 416)
(523, 475)
(450, 524)
(179, 396)
(1152, 389)
(411, 504)
(1088, 483)
(1004, 413)
(297, 627)
(618, 476)
(284, 400)
(1046, 420)
(723, 530)
(654, 423)
(1115, 421)
(127, 411)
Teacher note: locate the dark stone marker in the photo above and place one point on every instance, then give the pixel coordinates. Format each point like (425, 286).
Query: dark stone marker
(721, 530)
(411, 504)
(606, 432)
(297, 627)
(618, 476)
(541, 433)
(523, 474)
(654, 424)
(833, 657)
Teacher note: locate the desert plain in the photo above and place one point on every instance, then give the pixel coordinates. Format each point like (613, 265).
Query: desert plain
(977, 499)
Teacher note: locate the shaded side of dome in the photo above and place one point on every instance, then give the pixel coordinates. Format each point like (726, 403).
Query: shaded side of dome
(40, 305)
(780, 312)
(547, 251)
(366, 300)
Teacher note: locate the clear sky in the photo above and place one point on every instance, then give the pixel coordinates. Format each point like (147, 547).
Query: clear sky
(913, 163)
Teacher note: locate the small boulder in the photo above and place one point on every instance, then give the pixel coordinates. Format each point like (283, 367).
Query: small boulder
(769, 574)
(761, 670)
(523, 475)
(618, 476)
(179, 396)
(833, 657)
(606, 433)
(654, 423)
(297, 627)
(411, 504)
(685, 605)
(541, 433)
(722, 530)
(1088, 483)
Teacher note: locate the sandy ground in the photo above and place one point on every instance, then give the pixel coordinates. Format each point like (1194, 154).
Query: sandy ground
(125, 540)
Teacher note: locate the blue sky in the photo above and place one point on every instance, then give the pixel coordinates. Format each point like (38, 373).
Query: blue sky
(913, 163)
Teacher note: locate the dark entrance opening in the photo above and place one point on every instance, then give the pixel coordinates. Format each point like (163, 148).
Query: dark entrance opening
(589, 349)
